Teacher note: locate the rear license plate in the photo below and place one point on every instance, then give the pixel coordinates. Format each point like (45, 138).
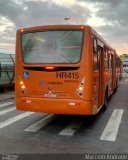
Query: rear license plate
(50, 95)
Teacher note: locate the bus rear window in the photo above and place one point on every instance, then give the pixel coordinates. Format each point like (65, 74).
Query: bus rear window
(52, 47)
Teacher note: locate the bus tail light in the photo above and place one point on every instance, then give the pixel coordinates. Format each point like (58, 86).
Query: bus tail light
(23, 88)
(21, 83)
(80, 89)
(49, 68)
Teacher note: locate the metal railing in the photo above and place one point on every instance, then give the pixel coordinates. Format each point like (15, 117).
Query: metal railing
(7, 71)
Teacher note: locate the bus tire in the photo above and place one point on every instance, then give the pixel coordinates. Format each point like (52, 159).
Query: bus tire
(105, 102)
(115, 89)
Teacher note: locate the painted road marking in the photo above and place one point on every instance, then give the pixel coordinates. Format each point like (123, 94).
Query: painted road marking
(41, 123)
(7, 110)
(71, 128)
(112, 127)
(6, 104)
(14, 119)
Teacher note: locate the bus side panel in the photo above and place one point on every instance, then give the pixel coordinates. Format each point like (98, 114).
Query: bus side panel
(89, 74)
(17, 62)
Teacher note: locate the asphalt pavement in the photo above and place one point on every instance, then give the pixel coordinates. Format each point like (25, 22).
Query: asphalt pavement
(40, 133)
(6, 95)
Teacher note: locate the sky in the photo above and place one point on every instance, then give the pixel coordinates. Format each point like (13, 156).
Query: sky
(108, 17)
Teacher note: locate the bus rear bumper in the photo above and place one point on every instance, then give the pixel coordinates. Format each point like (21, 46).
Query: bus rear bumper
(56, 106)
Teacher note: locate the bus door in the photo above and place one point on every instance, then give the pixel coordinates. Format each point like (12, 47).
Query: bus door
(101, 72)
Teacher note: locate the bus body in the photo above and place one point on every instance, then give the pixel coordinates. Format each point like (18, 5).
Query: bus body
(63, 69)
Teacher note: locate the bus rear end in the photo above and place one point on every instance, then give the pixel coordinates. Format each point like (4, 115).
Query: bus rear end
(51, 70)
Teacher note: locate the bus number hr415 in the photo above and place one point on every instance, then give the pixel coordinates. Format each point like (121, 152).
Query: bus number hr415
(71, 75)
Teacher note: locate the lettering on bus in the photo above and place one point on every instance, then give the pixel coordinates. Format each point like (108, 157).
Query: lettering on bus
(55, 83)
(66, 75)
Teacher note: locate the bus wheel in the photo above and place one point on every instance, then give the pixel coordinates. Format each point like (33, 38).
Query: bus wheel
(105, 102)
(115, 89)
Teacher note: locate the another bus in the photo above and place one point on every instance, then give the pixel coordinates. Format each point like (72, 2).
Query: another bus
(64, 69)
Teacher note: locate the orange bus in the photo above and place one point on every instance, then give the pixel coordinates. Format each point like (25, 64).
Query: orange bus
(64, 69)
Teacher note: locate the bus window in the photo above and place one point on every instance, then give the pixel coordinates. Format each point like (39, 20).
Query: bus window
(105, 58)
(110, 60)
(108, 52)
(52, 46)
(95, 54)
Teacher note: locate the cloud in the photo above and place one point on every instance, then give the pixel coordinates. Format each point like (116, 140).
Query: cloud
(10, 9)
(47, 12)
(114, 11)
(108, 17)
(30, 13)
(16, 14)
(114, 21)
(7, 33)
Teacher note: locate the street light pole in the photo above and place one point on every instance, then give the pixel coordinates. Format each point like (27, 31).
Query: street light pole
(67, 19)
